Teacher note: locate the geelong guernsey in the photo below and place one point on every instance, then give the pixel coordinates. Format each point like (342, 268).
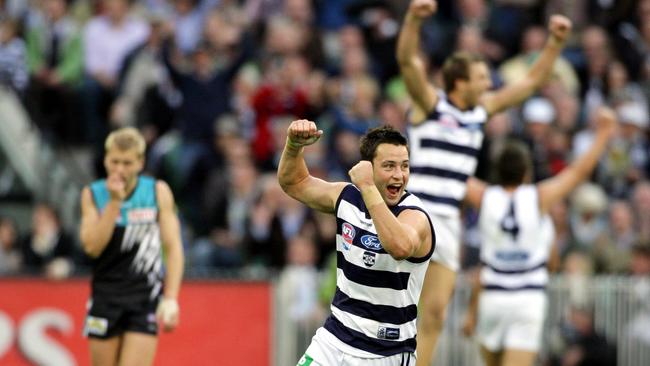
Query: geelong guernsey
(444, 150)
(374, 308)
(516, 239)
(130, 267)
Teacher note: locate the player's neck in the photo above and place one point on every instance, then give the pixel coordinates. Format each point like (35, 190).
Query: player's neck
(458, 101)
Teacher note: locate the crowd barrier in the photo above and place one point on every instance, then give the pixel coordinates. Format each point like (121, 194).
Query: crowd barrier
(222, 323)
(621, 313)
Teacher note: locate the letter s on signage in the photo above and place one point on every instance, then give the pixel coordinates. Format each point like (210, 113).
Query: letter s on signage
(33, 340)
(32, 336)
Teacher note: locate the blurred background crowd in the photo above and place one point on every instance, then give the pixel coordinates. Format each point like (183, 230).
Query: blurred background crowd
(213, 84)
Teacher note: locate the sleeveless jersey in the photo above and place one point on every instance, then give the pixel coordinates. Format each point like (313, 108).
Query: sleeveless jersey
(130, 267)
(444, 150)
(374, 308)
(516, 239)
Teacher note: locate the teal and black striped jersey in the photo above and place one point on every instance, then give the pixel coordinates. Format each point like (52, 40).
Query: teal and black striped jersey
(130, 267)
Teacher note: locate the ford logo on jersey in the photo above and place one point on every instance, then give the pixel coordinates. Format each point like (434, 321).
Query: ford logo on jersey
(371, 242)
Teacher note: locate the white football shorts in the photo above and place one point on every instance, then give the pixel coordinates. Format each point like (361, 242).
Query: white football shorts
(511, 320)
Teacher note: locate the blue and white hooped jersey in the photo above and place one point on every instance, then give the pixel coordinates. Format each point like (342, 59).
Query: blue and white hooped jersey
(131, 263)
(516, 239)
(444, 150)
(374, 308)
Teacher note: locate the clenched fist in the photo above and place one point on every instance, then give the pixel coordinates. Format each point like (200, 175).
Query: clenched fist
(302, 133)
(606, 120)
(560, 27)
(423, 8)
(361, 174)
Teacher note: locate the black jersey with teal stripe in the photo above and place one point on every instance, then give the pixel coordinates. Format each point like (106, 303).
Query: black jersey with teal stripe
(130, 267)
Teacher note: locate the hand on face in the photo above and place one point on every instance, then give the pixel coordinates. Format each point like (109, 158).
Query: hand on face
(361, 174)
(303, 132)
(423, 8)
(560, 27)
(116, 187)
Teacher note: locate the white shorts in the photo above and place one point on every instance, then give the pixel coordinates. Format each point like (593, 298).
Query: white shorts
(447, 250)
(511, 320)
(321, 352)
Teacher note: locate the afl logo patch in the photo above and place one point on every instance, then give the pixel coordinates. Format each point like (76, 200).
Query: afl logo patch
(448, 121)
(348, 233)
(371, 242)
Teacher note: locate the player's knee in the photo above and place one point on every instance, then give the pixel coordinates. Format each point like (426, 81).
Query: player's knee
(434, 314)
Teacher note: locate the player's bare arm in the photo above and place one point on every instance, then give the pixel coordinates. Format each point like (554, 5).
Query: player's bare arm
(293, 175)
(96, 229)
(402, 237)
(412, 66)
(474, 192)
(559, 28)
(556, 188)
(471, 316)
(170, 236)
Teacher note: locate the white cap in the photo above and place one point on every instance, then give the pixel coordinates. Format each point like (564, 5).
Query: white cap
(589, 198)
(538, 110)
(634, 114)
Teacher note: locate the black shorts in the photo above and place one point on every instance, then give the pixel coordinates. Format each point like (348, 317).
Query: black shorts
(108, 318)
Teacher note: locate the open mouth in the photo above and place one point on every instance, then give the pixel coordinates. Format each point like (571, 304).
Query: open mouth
(394, 189)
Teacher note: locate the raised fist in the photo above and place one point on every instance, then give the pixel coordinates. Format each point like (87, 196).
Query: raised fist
(423, 8)
(361, 174)
(560, 27)
(303, 132)
(606, 119)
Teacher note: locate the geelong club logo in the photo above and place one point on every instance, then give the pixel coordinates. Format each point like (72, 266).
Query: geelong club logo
(369, 258)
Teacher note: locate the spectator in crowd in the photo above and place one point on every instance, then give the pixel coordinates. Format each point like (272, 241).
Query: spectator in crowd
(47, 249)
(611, 252)
(582, 344)
(107, 40)
(298, 282)
(627, 159)
(13, 72)
(275, 219)
(9, 246)
(188, 22)
(55, 61)
(281, 95)
(205, 89)
(588, 222)
(538, 114)
(641, 209)
(637, 330)
(228, 202)
(640, 260)
(146, 96)
(596, 55)
(532, 42)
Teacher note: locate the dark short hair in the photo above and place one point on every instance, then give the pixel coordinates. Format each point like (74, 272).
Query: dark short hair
(513, 163)
(380, 135)
(456, 67)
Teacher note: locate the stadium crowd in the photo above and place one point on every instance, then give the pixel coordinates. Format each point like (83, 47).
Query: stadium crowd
(213, 85)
